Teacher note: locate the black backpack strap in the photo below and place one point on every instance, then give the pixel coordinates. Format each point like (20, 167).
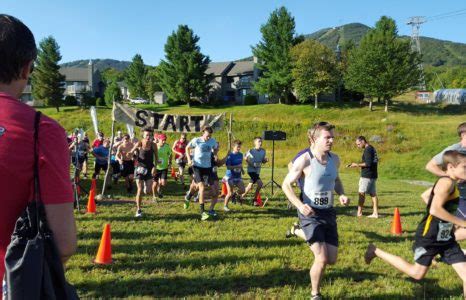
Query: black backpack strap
(36, 193)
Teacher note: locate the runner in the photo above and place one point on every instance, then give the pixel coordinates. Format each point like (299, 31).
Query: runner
(316, 212)
(99, 140)
(233, 178)
(101, 157)
(368, 179)
(202, 166)
(146, 154)
(179, 148)
(434, 234)
(79, 149)
(164, 162)
(255, 157)
(86, 157)
(116, 166)
(125, 159)
(193, 186)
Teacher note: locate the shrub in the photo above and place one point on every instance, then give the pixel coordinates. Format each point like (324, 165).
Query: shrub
(250, 100)
(100, 102)
(71, 101)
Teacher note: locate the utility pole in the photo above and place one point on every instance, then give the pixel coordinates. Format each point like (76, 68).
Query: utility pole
(415, 23)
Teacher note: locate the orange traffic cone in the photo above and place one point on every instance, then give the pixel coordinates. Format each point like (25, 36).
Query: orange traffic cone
(396, 224)
(104, 254)
(259, 200)
(91, 201)
(224, 190)
(173, 173)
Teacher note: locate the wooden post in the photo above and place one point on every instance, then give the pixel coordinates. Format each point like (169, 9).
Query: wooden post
(229, 133)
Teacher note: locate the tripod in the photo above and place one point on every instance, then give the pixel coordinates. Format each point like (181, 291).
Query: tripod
(272, 181)
(273, 136)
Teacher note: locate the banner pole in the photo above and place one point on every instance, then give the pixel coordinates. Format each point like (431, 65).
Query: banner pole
(229, 133)
(109, 153)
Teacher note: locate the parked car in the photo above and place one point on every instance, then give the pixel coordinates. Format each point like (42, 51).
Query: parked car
(138, 100)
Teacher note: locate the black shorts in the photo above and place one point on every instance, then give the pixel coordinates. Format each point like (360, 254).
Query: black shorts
(161, 174)
(128, 168)
(80, 162)
(203, 175)
(115, 167)
(99, 167)
(190, 171)
(451, 253)
(254, 177)
(181, 163)
(144, 176)
(321, 227)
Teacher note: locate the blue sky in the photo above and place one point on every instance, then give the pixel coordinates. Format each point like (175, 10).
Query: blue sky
(119, 29)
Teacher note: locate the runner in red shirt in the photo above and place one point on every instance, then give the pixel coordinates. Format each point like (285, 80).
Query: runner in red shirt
(17, 54)
(179, 148)
(99, 141)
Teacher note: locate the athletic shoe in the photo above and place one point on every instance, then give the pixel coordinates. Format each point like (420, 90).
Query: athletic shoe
(154, 199)
(317, 296)
(204, 216)
(186, 204)
(187, 197)
(212, 213)
(85, 176)
(160, 195)
(225, 208)
(291, 232)
(255, 203)
(138, 213)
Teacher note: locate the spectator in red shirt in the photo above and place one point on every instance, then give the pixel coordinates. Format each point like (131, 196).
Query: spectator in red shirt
(17, 54)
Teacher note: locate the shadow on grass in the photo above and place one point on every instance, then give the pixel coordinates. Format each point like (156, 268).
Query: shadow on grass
(375, 237)
(427, 109)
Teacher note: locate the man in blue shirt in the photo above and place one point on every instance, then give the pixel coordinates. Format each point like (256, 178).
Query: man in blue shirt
(101, 157)
(202, 167)
(233, 178)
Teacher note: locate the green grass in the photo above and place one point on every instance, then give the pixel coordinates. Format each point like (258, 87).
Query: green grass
(244, 254)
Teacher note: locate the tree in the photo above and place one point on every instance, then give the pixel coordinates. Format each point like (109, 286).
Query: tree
(315, 70)
(152, 83)
(112, 92)
(112, 74)
(47, 82)
(273, 53)
(135, 77)
(384, 64)
(182, 75)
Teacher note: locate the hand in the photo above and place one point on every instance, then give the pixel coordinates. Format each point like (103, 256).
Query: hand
(265, 160)
(190, 163)
(344, 200)
(306, 210)
(353, 165)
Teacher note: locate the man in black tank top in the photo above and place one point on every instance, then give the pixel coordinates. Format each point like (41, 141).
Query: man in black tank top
(146, 155)
(434, 235)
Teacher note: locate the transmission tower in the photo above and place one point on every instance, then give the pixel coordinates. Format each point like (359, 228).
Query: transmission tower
(415, 23)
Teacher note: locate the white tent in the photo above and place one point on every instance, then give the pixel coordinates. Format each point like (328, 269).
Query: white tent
(450, 96)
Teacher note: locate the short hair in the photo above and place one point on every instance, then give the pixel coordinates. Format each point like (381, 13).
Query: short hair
(461, 128)
(257, 138)
(315, 130)
(452, 157)
(147, 129)
(362, 138)
(208, 129)
(237, 143)
(126, 135)
(17, 48)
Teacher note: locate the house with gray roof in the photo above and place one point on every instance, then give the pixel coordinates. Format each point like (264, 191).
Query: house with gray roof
(78, 81)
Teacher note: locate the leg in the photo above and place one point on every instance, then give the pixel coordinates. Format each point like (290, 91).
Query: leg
(240, 186)
(460, 234)
(362, 198)
(375, 203)
(416, 270)
(201, 188)
(180, 174)
(259, 185)
(229, 193)
(248, 189)
(139, 185)
(155, 187)
(460, 269)
(214, 194)
(318, 267)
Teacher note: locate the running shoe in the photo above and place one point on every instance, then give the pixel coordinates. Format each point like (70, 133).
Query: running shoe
(204, 216)
(138, 213)
(160, 195)
(187, 197)
(291, 232)
(225, 208)
(212, 213)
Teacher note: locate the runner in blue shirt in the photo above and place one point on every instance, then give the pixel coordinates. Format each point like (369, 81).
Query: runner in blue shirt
(235, 169)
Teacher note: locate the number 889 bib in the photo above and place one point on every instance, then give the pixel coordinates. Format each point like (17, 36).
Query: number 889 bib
(322, 200)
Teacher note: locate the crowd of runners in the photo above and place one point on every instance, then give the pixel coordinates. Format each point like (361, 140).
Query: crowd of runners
(147, 163)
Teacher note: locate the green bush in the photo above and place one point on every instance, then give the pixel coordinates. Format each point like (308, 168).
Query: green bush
(88, 100)
(250, 100)
(100, 102)
(70, 101)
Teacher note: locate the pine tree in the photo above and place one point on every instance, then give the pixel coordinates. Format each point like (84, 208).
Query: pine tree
(384, 65)
(152, 82)
(273, 53)
(47, 82)
(112, 93)
(315, 70)
(135, 77)
(182, 75)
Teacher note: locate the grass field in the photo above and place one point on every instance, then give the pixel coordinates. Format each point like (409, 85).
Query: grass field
(170, 253)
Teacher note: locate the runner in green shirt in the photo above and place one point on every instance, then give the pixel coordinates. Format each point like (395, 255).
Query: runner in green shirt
(163, 164)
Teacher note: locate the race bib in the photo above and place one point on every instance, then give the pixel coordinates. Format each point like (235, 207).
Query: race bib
(141, 171)
(322, 199)
(444, 232)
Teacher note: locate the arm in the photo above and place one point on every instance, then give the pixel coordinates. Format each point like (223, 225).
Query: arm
(344, 200)
(426, 195)
(119, 156)
(60, 218)
(293, 175)
(435, 169)
(441, 192)
(174, 150)
(188, 157)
